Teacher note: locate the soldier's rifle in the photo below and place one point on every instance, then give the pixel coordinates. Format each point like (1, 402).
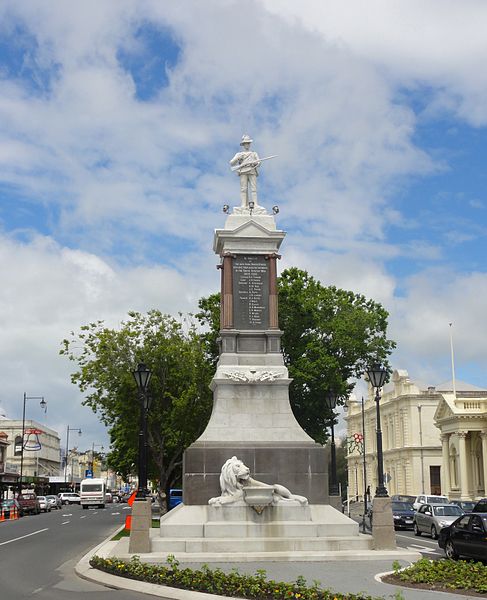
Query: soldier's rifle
(249, 163)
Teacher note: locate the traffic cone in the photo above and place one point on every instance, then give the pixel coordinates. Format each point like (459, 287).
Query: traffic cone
(128, 522)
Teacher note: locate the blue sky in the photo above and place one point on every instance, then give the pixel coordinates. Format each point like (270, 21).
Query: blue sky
(117, 121)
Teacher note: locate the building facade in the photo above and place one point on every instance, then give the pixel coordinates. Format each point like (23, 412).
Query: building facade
(461, 419)
(42, 462)
(434, 441)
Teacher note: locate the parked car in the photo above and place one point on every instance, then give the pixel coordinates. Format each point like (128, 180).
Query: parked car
(69, 498)
(44, 504)
(403, 515)
(424, 499)
(465, 505)
(431, 518)
(467, 536)
(175, 498)
(481, 506)
(403, 498)
(29, 503)
(8, 504)
(54, 501)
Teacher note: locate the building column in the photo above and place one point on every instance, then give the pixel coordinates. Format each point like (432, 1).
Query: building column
(463, 466)
(445, 467)
(483, 435)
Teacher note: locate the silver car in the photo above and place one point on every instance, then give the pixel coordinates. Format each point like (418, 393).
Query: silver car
(431, 518)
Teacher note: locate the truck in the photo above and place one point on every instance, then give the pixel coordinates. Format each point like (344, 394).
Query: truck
(28, 502)
(93, 492)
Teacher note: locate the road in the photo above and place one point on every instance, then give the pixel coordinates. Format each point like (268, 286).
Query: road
(38, 554)
(424, 544)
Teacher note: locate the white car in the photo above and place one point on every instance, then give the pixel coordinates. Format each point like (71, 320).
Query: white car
(44, 504)
(425, 499)
(69, 498)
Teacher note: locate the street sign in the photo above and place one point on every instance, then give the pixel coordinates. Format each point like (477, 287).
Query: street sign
(88, 474)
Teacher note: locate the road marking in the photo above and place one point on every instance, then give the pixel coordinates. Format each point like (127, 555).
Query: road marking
(68, 515)
(65, 522)
(423, 549)
(83, 517)
(95, 512)
(115, 513)
(126, 508)
(24, 536)
(408, 537)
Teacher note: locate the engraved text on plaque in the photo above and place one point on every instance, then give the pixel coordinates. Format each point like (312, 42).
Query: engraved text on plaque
(250, 292)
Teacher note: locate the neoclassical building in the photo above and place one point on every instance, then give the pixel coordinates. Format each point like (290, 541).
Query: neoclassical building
(461, 418)
(414, 451)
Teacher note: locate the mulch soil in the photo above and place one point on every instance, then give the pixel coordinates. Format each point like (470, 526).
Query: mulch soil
(395, 580)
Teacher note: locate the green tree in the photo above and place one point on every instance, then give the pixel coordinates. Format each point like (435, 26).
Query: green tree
(181, 399)
(330, 337)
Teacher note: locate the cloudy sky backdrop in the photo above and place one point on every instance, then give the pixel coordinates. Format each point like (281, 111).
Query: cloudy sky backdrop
(117, 121)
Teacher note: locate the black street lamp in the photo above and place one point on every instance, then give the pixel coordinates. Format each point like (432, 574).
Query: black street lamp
(67, 452)
(142, 377)
(330, 403)
(43, 405)
(377, 376)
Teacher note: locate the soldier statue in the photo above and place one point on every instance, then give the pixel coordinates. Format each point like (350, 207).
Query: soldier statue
(246, 163)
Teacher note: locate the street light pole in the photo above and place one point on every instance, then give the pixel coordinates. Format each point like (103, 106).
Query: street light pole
(142, 377)
(43, 404)
(330, 402)
(67, 450)
(377, 376)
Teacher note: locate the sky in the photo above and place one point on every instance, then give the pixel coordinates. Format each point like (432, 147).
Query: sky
(117, 122)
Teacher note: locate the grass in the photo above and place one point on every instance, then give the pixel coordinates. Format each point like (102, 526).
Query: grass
(125, 532)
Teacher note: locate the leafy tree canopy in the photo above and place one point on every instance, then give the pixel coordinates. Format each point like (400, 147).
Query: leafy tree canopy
(181, 399)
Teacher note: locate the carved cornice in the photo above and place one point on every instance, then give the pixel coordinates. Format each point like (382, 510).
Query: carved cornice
(252, 376)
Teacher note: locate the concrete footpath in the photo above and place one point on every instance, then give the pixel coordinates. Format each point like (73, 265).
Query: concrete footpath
(336, 575)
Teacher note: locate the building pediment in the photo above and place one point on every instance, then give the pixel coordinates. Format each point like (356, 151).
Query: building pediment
(444, 410)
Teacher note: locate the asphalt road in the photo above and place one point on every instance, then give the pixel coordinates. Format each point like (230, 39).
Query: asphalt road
(38, 554)
(424, 544)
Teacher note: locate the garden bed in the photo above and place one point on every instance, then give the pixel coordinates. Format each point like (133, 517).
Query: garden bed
(458, 576)
(234, 584)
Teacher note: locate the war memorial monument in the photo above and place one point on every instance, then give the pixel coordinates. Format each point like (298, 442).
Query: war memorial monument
(255, 484)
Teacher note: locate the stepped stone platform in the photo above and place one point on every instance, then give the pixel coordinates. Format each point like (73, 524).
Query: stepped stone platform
(204, 534)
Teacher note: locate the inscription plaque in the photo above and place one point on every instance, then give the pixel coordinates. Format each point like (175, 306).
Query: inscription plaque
(250, 292)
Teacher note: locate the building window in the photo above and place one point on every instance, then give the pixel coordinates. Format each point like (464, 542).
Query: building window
(18, 445)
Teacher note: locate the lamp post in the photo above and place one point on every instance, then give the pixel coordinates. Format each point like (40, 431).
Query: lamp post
(142, 376)
(67, 451)
(364, 459)
(43, 404)
(330, 403)
(377, 376)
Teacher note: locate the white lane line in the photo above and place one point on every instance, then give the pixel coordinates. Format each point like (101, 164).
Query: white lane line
(65, 522)
(126, 508)
(24, 536)
(95, 512)
(68, 515)
(423, 549)
(115, 513)
(83, 517)
(424, 541)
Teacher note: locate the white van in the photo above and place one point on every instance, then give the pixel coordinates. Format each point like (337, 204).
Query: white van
(93, 492)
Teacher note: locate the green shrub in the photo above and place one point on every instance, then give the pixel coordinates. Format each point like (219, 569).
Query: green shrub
(450, 574)
(217, 582)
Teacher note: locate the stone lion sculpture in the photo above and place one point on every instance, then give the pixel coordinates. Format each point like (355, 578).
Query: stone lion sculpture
(235, 476)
